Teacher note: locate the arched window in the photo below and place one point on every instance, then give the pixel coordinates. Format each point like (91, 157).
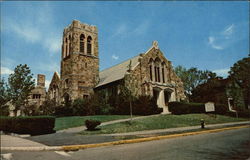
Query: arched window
(157, 70)
(69, 44)
(66, 98)
(151, 73)
(89, 45)
(82, 37)
(66, 83)
(66, 49)
(163, 72)
(151, 69)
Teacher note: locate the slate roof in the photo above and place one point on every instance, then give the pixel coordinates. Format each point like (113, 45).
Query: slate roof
(116, 72)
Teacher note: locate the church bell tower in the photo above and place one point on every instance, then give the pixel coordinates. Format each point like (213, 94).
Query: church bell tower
(79, 61)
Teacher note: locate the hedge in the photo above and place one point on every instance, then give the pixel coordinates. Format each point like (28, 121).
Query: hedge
(241, 114)
(186, 108)
(221, 109)
(33, 125)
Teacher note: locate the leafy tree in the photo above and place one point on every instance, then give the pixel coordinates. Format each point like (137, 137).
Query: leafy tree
(48, 107)
(193, 77)
(4, 109)
(20, 86)
(213, 90)
(240, 76)
(3, 92)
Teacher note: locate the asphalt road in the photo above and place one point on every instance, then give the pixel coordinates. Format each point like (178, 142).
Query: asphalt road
(227, 145)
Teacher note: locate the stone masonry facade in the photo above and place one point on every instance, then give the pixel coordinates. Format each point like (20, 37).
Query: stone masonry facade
(150, 72)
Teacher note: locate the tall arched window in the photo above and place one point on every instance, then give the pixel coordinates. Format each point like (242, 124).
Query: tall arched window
(66, 49)
(151, 74)
(69, 44)
(89, 45)
(66, 83)
(151, 69)
(82, 37)
(157, 70)
(163, 71)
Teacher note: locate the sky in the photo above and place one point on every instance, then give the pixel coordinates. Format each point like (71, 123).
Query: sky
(207, 35)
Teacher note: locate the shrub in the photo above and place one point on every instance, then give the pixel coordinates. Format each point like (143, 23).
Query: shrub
(35, 125)
(48, 107)
(31, 110)
(4, 110)
(241, 114)
(92, 124)
(145, 105)
(186, 108)
(221, 109)
(63, 110)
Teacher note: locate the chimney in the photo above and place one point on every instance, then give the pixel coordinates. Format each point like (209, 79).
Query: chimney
(41, 80)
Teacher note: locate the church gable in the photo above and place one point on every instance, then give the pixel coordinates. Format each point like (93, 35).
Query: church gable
(55, 80)
(53, 92)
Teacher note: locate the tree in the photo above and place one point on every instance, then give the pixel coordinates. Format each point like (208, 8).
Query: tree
(4, 109)
(213, 90)
(240, 76)
(48, 107)
(20, 86)
(193, 77)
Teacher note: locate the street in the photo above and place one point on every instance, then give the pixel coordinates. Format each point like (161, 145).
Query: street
(232, 144)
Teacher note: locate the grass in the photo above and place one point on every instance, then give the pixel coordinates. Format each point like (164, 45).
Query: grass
(76, 121)
(162, 122)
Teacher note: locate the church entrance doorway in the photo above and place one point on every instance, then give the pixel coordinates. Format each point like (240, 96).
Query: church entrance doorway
(162, 97)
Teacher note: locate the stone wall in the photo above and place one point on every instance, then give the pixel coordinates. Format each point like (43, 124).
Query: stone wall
(142, 83)
(79, 70)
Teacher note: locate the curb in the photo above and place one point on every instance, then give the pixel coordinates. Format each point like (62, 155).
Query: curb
(137, 140)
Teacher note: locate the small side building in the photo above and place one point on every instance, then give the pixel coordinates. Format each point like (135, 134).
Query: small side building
(38, 94)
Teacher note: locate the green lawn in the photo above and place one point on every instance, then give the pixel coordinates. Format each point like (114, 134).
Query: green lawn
(75, 121)
(163, 121)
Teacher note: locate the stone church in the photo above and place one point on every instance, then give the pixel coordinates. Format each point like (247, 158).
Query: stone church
(150, 72)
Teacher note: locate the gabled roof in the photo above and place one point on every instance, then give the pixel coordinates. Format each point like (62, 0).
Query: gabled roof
(55, 79)
(116, 72)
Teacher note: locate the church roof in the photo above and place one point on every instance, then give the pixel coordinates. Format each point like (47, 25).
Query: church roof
(116, 72)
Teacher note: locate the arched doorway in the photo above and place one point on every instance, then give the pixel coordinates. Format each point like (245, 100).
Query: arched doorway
(163, 96)
(167, 95)
(66, 98)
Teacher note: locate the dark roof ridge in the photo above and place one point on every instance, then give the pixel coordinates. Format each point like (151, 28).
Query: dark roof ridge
(120, 63)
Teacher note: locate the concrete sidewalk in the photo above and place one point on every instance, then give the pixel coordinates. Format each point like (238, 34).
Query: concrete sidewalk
(45, 142)
(15, 141)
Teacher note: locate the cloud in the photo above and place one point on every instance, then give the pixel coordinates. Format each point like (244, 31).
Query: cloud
(142, 28)
(37, 27)
(48, 67)
(120, 30)
(53, 44)
(124, 30)
(228, 30)
(5, 70)
(47, 83)
(211, 42)
(223, 39)
(8, 62)
(115, 57)
(29, 34)
(222, 72)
